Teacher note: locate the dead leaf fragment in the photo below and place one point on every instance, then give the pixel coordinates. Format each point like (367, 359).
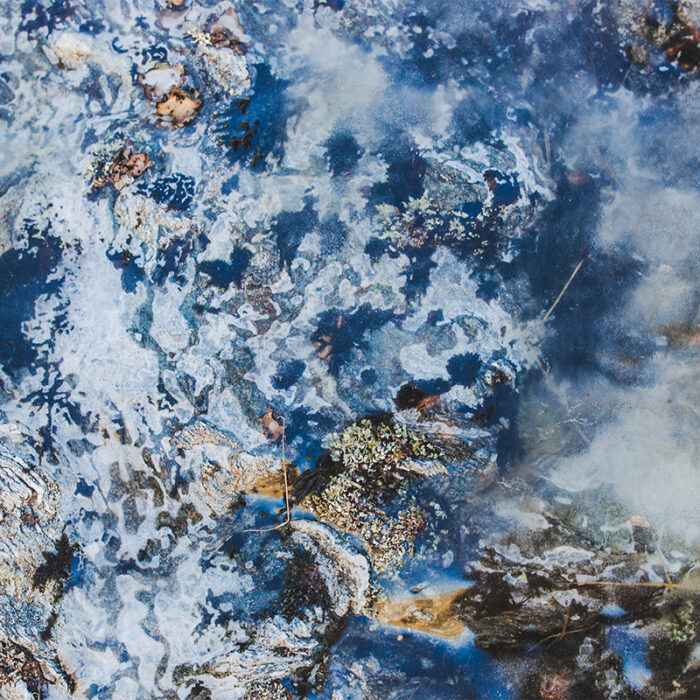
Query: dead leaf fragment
(554, 687)
(433, 615)
(126, 165)
(179, 108)
(273, 430)
(226, 32)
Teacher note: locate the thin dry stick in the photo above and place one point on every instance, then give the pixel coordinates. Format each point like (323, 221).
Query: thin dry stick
(545, 374)
(562, 634)
(563, 291)
(566, 620)
(288, 517)
(414, 692)
(558, 635)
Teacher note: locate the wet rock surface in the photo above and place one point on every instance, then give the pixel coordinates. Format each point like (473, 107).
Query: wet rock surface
(348, 349)
(35, 562)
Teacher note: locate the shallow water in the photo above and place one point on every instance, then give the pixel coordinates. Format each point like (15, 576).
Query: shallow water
(491, 210)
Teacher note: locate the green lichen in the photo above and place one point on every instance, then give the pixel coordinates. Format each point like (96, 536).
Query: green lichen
(419, 220)
(376, 450)
(375, 460)
(681, 627)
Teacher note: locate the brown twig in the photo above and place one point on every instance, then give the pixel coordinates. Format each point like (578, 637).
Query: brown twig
(542, 368)
(647, 584)
(288, 517)
(565, 624)
(559, 635)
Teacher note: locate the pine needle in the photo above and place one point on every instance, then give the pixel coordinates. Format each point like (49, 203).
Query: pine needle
(563, 291)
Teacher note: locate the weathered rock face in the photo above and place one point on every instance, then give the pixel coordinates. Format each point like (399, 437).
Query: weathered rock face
(326, 576)
(225, 471)
(289, 638)
(34, 558)
(542, 596)
(344, 572)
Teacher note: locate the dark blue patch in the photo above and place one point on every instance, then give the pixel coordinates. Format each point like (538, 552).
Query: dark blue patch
(342, 153)
(505, 188)
(89, 138)
(433, 387)
(118, 48)
(23, 275)
(288, 373)
(469, 125)
(222, 273)
(369, 376)
(255, 127)
(404, 176)
(464, 369)
(230, 185)
(583, 46)
(291, 227)
(131, 272)
(375, 248)
(339, 331)
(154, 53)
(309, 428)
(176, 191)
(417, 273)
(335, 5)
(434, 317)
(333, 233)
(173, 259)
(472, 55)
(82, 488)
(56, 14)
(548, 257)
(92, 27)
(487, 288)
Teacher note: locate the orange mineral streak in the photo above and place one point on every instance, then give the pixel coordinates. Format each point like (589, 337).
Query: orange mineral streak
(273, 484)
(429, 614)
